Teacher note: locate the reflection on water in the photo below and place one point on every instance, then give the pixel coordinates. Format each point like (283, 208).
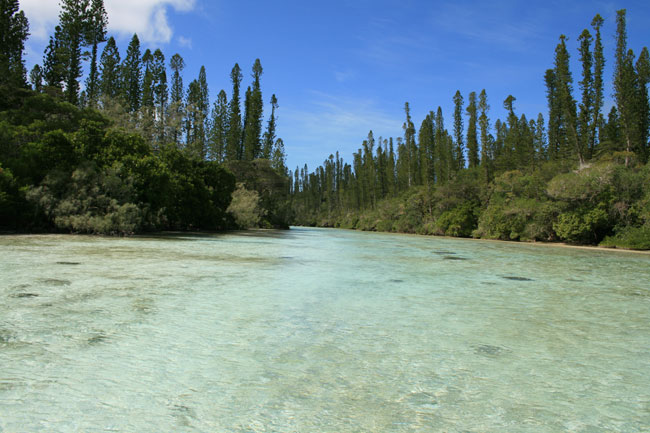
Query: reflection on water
(316, 330)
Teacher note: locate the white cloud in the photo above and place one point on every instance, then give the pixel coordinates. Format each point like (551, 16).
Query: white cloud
(185, 42)
(42, 16)
(147, 18)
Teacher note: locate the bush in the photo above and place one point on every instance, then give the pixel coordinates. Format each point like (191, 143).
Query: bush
(634, 238)
(245, 207)
(460, 221)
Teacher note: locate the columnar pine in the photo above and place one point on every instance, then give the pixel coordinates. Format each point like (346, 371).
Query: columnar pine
(14, 29)
(174, 118)
(484, 123)
(95, 34)
(254, 108)
(109, 71)
(132, 76)
(585, 115)
(219, 128)
(599, 65)
(73, 20)
(459, 149)
(233, 143)
(472, 139)
(269, 135)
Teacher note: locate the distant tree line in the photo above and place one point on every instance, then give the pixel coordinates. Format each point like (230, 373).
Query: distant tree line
(455, 174)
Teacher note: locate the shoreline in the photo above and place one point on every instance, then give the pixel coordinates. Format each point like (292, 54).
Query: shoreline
(536, 243)
(172, 233)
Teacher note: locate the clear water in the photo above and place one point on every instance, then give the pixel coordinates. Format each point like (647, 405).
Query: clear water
(316, 330)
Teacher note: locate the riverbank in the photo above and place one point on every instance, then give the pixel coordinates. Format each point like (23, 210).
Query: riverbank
(537, 243)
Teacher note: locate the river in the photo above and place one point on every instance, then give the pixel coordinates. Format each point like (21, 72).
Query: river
(320, 330)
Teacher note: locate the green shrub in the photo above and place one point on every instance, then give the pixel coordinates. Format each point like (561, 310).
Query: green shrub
(635, 238)
(245, 207)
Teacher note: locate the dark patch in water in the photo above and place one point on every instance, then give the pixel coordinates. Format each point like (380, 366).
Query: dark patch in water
(489, 350)
(100, 338)
(575, 280)
(444, 253)
(488, 284)
(453, 258)
(184, 414)
(68, 263)
(54, 282)
(396, 281)
(25, 295)
(517, 278)
(286, 257)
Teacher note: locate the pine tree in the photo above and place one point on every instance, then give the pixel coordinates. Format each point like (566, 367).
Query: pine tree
(54, 61)
(472, 139)
(410, 153)
(95, 34)
(643, 74)
(562, 116)
(484, 123)
(585, 115)
(14, 29)
(427, 150)
(443, 160)
(269, 135)
(219, 128)
(279, 157)
(36, 78)
(197, 114)
(109, 71)
(177, 64)
(540, 139)
(599, 65)
(459, 150)
(147, 109)
(254, 111)
(161, 95)
(511, 151)
(233, 146)
(73, 21)
(132, 76)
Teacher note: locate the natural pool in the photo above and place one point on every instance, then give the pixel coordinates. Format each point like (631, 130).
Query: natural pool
(314, 330)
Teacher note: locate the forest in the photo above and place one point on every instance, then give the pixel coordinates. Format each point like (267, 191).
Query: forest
(128, 150)
(576, 175)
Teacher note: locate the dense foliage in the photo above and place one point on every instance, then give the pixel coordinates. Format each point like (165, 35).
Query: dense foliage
(578, 177)
(124, 155)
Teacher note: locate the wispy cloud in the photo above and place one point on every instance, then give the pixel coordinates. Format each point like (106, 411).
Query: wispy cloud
(329, 122)
(487, 23)
(185, 42)
(147, 18)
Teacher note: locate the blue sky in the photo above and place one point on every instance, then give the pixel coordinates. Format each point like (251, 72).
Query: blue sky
(341, 67)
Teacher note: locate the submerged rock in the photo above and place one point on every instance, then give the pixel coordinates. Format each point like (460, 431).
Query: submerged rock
(25, 295)
(453, 258)
(490, 350)
(517, 278)
(54, 282)
(396, 281)
(68, 263)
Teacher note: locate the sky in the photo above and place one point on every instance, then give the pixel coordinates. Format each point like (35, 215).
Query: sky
(341, 68)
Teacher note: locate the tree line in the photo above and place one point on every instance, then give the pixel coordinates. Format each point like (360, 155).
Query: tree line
(468, 163)
(137, 86)
(128, 149)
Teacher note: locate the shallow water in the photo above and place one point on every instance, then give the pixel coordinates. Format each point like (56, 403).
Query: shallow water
(316, 330)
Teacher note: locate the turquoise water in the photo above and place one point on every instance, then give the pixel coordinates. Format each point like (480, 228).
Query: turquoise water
(315, 330)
